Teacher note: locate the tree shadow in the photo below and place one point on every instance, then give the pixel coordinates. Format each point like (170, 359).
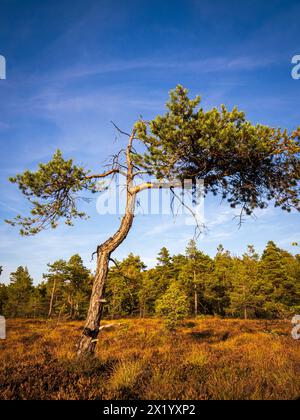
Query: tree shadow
(209, 336)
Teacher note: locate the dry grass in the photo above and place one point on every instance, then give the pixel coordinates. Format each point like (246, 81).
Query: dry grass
(205, 359)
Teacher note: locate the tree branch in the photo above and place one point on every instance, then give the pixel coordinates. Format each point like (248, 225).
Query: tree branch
(104, 174)
(120, 131)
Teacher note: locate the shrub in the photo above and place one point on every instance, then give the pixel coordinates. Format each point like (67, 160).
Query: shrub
(173, 305)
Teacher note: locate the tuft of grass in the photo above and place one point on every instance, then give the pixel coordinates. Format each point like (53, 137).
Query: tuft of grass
(196, 358)
(125, 375)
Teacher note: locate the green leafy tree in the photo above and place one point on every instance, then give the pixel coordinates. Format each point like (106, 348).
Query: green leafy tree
(148, 293)
(19, 293)
(173, 305)
(51, 190)
(249, 165)
(68, 287)
(194, 275)
(3, 297)
(164, 270)
(164, 258)
(219, 283)
(37, 302)
(157, 280)
(123, 286)
(248, 292)
(55, 284)
(276, 270)
(77, 290)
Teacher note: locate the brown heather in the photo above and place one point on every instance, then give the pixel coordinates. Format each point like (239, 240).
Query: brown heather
(205, 359)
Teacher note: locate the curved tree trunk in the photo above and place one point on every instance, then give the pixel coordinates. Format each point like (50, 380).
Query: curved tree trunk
(88, 340)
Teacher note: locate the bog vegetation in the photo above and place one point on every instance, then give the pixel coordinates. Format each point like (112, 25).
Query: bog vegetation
(178, 287)
(207, 358)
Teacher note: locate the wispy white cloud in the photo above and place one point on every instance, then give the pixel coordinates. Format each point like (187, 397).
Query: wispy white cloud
(211, 64)
(7, 206)
(214, 236)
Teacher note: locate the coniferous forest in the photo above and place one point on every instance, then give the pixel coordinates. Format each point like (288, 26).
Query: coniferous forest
(250, 286)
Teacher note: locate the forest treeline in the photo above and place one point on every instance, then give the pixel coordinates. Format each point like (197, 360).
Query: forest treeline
(251, 286)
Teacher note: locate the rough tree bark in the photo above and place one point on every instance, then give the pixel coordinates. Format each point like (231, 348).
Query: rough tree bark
(89, 338)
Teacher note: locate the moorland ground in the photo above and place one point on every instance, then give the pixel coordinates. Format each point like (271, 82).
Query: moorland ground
(139, 359)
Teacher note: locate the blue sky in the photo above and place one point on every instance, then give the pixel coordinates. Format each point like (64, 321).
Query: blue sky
(73, 66)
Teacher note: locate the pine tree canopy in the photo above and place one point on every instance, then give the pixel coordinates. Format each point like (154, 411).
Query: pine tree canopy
(249, 165)
(52, 191)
